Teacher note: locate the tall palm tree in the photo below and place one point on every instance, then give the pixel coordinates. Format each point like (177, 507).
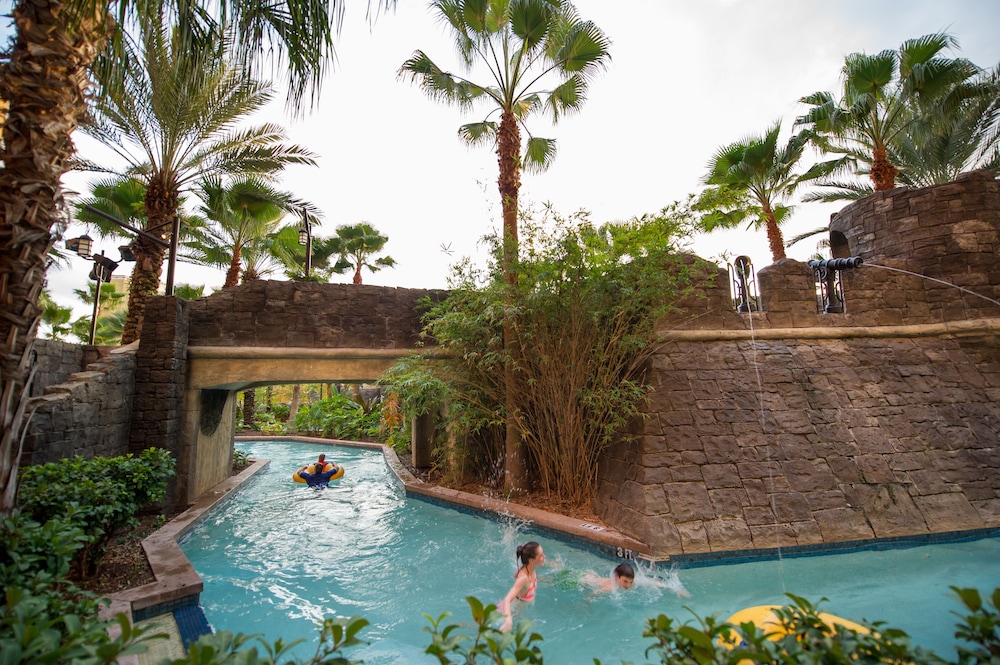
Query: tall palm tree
(241, 213)
(752, 179)
(881, 95)
(170, 108)
(44, 82)
(358, 244)
(538, 56)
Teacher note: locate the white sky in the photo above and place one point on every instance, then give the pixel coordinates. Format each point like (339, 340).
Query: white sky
(686, 77)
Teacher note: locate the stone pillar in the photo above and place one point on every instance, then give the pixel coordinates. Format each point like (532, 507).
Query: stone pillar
(422, 440)
(160, 376)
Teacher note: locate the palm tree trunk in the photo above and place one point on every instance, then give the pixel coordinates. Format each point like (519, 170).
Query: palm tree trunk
(883, 173)
(161, 206)
(44, 82)
(249, 409)
(775, 240)
(233, 274)
(357, 274)
(509, 182)
(293, 408)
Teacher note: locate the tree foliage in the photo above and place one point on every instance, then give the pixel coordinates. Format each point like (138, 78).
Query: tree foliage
(584, 309)
(883, 96)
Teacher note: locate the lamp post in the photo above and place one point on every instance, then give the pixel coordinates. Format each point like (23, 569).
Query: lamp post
(305, 238)
(101, 272)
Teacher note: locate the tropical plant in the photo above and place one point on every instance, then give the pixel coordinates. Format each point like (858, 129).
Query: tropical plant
(170, 108)
(588, 298)
(55, 317)
(881, 96)
(45, 86)
(359, 243)
(752, 179)
(242, 213)
(108, 331)
(538, 56)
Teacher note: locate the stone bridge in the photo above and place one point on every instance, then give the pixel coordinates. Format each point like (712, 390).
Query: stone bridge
(194, 357)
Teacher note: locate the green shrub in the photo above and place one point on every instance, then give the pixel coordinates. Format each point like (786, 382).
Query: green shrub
(339, 417)
(31, 633)
(97, 495)
(36, 558)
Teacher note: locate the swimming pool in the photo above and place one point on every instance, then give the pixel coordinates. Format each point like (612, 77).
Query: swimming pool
(277, 557)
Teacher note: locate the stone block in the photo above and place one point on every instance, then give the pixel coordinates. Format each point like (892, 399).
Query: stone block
(809, 475)
(728, 534)
(842, 524)
(948, 512)
(688, 501)
(694, 539)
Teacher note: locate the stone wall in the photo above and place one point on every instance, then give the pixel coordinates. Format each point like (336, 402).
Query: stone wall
(791, 426)
(753, 444)
(305, 314)
(89, 414)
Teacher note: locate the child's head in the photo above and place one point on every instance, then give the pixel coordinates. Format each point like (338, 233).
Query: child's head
(624, 575)
(529, 551)
(322, 459)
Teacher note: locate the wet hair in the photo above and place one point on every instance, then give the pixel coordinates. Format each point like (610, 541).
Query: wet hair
(527, 552)
(625, 570)
(322, 458)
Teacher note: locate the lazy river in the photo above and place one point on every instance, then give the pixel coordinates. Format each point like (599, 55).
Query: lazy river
(278, 557)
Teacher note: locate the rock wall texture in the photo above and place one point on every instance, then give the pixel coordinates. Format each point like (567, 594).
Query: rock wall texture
(755, 444)
(303, 314)
(88, 414)
(792, 426)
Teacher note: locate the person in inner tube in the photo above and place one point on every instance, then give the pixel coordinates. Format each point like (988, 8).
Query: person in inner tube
(319, 478)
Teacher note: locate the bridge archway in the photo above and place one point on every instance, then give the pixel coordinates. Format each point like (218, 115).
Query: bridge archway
(194, 357)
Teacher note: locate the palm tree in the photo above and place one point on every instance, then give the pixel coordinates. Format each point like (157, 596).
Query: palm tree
(539, 56)
(54, 316)
(241, 213)
(882, 95)
(358, 244)
(171, 113)
(45, 85)
(752, 179)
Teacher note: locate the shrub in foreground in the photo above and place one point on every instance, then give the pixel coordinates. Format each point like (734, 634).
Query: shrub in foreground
(97, 495)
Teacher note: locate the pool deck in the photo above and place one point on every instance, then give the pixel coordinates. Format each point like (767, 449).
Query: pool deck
(170, 604)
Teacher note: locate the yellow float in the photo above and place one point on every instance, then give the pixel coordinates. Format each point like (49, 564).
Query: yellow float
(767, 621)
(311, 468)
(764, 618)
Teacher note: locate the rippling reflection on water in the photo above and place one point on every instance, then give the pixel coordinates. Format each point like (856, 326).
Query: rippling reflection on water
(278, 557)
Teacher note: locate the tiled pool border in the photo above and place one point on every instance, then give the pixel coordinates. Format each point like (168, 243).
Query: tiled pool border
(178, 587)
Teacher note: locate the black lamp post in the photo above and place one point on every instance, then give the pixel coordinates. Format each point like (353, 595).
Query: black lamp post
(101, 272)
(305, 238)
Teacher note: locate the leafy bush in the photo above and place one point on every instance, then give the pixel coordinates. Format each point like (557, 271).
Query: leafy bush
(339, 417)
(31, 633)
(36, 558)
(97, 495)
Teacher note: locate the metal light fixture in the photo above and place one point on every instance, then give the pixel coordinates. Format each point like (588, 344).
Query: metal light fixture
(101, 272)
(126, 252)
(305, 238)
(81, 245)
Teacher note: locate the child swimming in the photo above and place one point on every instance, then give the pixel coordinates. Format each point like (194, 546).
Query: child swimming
(531, 557)
(623, 577)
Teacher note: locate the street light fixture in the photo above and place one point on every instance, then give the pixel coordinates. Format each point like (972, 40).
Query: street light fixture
(305, 238)
(81, 245)
(101, 272)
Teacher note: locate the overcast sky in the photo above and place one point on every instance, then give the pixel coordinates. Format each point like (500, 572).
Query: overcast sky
(685, 78)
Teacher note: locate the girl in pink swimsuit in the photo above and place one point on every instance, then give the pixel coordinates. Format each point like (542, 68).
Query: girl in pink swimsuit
(531, 557)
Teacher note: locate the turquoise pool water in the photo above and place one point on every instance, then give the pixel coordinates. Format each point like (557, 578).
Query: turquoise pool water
(278, 557)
